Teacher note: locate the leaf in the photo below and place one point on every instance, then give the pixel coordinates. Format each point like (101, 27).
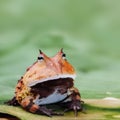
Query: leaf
(93, 110)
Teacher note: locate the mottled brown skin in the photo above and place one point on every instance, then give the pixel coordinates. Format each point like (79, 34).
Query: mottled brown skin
(32, 87)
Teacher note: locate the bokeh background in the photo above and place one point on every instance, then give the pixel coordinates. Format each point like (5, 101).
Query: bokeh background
(88, 30)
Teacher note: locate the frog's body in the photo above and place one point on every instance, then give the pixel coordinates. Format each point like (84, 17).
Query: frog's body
(48, 80)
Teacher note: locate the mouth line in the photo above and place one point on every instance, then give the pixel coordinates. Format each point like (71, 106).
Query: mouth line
(51, 79)
(53, 84)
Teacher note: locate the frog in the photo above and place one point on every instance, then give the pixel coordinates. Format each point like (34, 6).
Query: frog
(49, 80)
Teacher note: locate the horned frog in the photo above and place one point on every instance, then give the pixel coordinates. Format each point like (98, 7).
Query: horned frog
(49, 80)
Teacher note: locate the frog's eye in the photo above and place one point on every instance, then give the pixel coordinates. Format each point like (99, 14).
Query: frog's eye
(64, 56)
(40, 58)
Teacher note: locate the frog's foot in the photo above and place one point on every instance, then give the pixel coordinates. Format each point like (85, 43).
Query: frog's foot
(48, 112)
(28, 104)
(73, 101)
(13, 102)
(75, 106)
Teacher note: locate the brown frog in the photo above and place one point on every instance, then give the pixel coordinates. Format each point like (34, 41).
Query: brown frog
(49, 80)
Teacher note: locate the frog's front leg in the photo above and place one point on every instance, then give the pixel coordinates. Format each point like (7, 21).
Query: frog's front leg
(73, 101)
(29, 105)
(13, 102)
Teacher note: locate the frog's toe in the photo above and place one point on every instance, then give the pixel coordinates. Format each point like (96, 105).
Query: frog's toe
(13, 102)
(75, 106)
(57, 113)
(48, 112)
(43, 110)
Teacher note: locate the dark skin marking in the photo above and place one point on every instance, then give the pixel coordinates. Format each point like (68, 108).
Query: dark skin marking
(29, 105)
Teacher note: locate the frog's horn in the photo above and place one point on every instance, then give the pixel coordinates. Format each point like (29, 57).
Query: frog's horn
(61, 50)
(43, 55)
(40, 51)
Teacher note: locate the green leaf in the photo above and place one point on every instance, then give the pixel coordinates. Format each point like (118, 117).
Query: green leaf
(93, 110)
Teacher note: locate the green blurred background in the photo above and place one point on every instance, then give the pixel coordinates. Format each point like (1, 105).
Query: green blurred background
(88, 30)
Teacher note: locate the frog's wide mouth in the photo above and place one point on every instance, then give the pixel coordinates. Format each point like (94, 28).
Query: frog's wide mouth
(51, 78)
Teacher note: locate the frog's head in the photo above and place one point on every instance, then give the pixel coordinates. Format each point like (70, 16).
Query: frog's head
(49, 68)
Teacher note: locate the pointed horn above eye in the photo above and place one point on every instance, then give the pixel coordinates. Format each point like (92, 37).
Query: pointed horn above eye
(40, 51)
(61, 50)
